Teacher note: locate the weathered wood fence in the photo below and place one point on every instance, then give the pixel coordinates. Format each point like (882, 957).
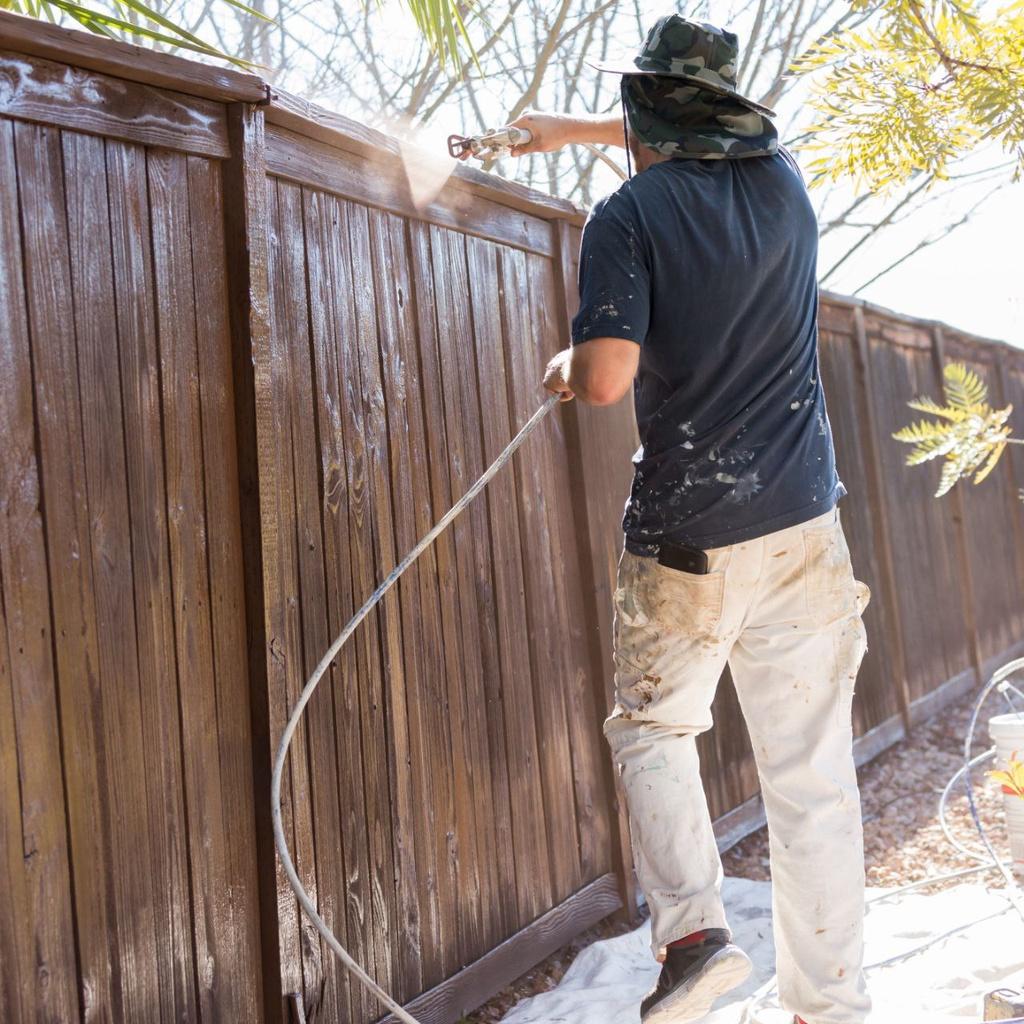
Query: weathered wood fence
(241, 373)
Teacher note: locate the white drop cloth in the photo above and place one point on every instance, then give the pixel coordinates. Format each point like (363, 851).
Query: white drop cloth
(944, 984)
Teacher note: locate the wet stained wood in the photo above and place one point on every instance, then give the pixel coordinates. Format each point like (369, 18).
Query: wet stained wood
(370, 525)
(598, 446)
(466, 990)
(385, 438)
(301, 951)
(482, 693)
(882, 687)
(245, 230)
(425, 656)
(989, 516)
(305, 523)
(116, 700)
(133, 284)
(124, 60)
(40, 90)
(519, 661)
(319, 400)
(239, 993)
(922, 536)
(187, 314)
(424, 798)
(384, 183)
(58, 408)
(37, 949)
(457, 849)
(559, 643)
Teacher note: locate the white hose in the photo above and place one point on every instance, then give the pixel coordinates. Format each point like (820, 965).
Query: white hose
(314, 680)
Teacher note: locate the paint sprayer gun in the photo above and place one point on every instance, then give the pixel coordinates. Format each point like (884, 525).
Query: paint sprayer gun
(494, 142)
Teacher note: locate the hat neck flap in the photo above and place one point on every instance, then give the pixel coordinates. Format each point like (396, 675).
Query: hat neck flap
(679, 119)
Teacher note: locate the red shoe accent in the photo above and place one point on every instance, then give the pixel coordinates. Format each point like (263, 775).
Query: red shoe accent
(688, 940)
(799, 1020)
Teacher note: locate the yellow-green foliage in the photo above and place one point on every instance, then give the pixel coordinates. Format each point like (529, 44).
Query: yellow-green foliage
(921, 87)
(1012, 779)
(969, 434)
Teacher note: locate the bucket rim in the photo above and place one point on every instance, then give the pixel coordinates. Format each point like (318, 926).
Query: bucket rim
(1012, 720)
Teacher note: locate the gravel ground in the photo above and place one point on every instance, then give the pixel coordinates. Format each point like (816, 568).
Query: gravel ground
(903, 841)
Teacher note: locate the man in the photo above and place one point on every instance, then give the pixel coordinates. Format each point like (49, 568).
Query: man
(698, 289)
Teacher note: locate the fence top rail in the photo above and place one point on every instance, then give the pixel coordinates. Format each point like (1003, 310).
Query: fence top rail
(1011, 353)
(125, 60)
(306, 118)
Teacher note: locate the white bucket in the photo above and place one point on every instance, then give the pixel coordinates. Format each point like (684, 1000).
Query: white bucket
(1007, 732)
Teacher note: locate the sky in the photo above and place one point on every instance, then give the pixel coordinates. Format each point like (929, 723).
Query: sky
(974, 279)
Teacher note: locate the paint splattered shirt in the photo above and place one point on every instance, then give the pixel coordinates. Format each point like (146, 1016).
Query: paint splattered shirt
(709, 266)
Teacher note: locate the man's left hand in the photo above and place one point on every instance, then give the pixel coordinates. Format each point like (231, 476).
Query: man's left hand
(556, 376)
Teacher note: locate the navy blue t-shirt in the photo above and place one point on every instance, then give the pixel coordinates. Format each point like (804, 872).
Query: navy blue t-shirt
(710, 266)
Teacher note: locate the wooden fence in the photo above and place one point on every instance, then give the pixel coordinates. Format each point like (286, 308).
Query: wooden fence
(242, 371)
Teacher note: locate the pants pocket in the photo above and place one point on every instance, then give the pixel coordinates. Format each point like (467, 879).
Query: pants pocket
(831, 591)
(661, 614)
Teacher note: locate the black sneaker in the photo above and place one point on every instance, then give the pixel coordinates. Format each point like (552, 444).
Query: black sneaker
(693, 977)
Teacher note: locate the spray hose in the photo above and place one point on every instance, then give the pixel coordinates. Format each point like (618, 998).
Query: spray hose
(318, 673)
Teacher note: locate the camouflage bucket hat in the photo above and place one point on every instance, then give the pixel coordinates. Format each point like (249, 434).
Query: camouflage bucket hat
(698, 53)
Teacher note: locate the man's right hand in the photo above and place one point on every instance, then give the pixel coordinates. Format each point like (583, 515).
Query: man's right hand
(550, 132)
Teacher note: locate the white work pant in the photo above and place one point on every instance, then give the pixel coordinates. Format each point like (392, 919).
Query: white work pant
(785, 612)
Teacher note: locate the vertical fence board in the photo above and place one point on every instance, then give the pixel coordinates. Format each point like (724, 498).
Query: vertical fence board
(302, 952)
(187, 316)
(154, 616)
(526, 764)
(882, 688)
(922, 538)
(370, 521)
(37, 949)
(305, 516)
(422, 629)
(122, 792)
(55, 370)
(468, 532)
(990, 514)
(461, 855)
(400, 889)
(599, 445)
(531, 307)
(351, 879)
(246, 224)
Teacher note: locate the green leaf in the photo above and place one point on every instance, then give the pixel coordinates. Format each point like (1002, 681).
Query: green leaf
(930, 405)
(963, 387)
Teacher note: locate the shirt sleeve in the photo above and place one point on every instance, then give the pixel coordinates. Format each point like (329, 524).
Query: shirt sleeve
(614, 280)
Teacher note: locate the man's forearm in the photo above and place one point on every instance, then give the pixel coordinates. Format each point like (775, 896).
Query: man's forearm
(597, 129)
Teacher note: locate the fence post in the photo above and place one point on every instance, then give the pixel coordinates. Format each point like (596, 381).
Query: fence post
(957, 497)
(246, 225)
(877, 503)
(586, 465)
(1003, 375)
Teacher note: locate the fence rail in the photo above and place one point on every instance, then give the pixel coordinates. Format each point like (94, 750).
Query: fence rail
(244, 369)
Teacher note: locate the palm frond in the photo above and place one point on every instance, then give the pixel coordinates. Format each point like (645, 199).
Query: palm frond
(926, 404)
(990, 462)
(969, 434)
(923, 430)
(932, 448)
(963, 387)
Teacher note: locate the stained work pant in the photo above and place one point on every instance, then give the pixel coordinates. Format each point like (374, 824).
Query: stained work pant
(784, 611)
